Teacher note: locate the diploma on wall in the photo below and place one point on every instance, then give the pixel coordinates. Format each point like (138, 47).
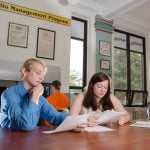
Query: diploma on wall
(69, 123)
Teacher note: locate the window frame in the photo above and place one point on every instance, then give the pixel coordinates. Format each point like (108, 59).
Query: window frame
(130, 93)
(84, 54)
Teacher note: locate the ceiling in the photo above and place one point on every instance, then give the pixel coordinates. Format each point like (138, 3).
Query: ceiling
(123, 12)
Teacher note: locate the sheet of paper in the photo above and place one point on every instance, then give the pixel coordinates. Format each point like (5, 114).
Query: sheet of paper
(97, 129)
(143, 124)
(110, 116)
(69, 123)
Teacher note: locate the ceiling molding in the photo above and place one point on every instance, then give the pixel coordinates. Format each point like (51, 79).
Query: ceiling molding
(135, 20)
(124, 9)
(127, 13)
(131, 26)
(88, 5)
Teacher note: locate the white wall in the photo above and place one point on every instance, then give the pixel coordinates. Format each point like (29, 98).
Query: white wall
(62, 41)
(62, 50)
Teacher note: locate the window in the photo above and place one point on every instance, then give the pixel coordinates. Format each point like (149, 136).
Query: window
(130, 68)
(78, 55)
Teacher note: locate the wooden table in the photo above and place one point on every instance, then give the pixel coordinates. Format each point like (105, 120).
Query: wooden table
(123, 138)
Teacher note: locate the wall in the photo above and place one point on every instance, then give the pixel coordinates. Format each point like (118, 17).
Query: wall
(119, 24)
(104, 30)
(62, 49)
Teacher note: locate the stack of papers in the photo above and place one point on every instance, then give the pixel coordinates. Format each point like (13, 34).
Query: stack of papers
(97, 129)
(144, 124)
(110, 116)
(69, 123)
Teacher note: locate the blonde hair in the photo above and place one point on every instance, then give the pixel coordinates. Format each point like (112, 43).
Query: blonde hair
(27, 65)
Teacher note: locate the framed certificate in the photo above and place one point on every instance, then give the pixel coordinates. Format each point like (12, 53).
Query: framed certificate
(17, 35)
(104, 48)
(105, 64)
(46, 43)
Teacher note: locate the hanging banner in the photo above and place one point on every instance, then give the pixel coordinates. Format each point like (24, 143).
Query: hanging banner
(34, 13)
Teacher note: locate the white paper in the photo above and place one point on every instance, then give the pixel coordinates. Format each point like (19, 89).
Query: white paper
(97, 129)
(143, 124)
(69, 123)
(110, 116)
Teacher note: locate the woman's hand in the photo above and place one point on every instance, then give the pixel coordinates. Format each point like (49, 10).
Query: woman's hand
(81, 127)
(121, 121)
(124, 119)
(89, 123)
(93, 121)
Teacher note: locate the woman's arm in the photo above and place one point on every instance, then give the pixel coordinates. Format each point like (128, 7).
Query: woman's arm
(119, 107)
(76, 109)
(77, 104)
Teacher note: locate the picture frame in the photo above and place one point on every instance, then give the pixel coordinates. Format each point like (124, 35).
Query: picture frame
(104, 48)
(45, 44)
(17, 35)
(105, 64)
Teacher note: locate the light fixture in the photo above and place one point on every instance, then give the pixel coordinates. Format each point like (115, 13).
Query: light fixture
(63, 2)
(73, 2)
(67, 2)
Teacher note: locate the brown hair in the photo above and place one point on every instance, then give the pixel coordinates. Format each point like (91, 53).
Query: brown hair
(89, 100)
(56, 84)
